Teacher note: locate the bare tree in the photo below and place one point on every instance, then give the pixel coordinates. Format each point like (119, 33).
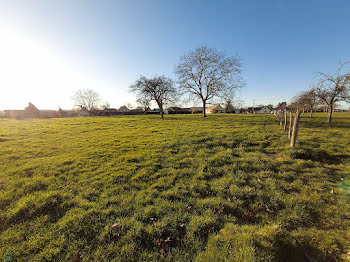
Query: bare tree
(309, 99)
(333, 88)
(282, 106)
(206, 73)
(105, 105)
(144, 102)
(86, 99)
(229, 106)
(159, 88)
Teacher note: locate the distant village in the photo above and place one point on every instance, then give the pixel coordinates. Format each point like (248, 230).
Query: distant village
(31, 111)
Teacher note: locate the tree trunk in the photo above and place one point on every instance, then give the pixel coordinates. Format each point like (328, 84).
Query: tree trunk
(285, 121)
(330, 111)
(290, 125)
(204, 105)
(311, 111)
(161, 111)
(295, 128)
(303, 110)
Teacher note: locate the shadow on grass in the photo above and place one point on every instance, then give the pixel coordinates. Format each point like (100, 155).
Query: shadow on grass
(319, 156)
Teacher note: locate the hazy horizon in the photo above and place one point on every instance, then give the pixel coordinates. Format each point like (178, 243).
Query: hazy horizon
(49, 49)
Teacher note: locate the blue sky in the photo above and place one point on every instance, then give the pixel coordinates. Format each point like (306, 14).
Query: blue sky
(53, 48)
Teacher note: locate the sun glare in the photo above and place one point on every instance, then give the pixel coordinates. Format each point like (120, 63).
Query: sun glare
(32, 71)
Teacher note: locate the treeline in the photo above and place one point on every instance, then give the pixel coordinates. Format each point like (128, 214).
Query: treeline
(203, 74)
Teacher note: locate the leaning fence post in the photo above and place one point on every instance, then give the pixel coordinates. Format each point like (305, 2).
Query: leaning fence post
(295, 128)
(290, 124)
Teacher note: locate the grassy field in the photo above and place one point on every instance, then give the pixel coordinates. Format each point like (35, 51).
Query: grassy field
(225, 188)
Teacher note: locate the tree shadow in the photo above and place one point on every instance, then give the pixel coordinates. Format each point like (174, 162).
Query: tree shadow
(319, 155)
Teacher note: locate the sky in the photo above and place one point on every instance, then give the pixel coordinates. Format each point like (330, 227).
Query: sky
(50, 49)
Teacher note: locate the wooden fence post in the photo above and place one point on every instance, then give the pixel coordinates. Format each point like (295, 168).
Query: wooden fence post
(295, 128)
(276, 115)
(290, 125)
(285, 120)
(281, 118)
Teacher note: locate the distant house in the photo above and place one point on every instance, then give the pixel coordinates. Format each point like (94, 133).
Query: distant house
(67, 113)
(109, 112)
(264, 110)
(123, 109)
(155, 111)
(258, 110)
(83, 113)
(18, 114)
(137, 111)
(177, 110)
(49, 114)
(196, 110)
(215, 109)
(30, 112)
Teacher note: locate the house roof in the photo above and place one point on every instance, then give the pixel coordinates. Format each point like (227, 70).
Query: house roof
(123, 108)
(218, 106)
(175, 108)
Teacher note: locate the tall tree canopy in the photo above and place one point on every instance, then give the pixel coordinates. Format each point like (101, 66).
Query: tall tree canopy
(207, 73)
(160, 89)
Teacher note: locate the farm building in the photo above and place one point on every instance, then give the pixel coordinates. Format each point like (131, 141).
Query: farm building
(215, 109)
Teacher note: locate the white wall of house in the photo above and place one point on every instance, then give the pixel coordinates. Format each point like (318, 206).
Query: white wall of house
(264, 110)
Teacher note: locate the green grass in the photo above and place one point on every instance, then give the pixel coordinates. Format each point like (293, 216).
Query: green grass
(225, 188)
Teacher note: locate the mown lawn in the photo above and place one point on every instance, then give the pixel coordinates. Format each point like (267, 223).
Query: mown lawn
(225, 188)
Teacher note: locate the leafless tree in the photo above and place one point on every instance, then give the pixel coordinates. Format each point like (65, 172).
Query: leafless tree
(282, 106)
(308, 100)
(206, 73)
(105, 105)
(86, 99)
(305, 100)
(161, 89)
(333, 88)
(229, 106)
(144, 102)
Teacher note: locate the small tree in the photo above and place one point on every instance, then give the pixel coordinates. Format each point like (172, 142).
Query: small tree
(282, 106)
(105, 105)
(229, 106)
(86, 99)
(144, 103)
(333, 88)
(159, 88)
(206, 73)
(309, 100)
